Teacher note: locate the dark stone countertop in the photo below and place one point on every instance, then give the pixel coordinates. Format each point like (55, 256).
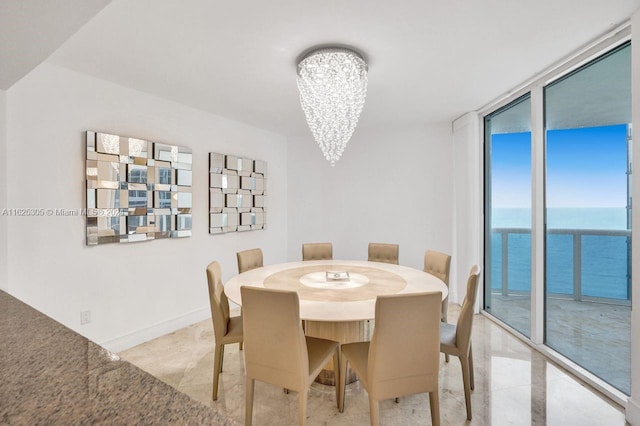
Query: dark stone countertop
(51, 375)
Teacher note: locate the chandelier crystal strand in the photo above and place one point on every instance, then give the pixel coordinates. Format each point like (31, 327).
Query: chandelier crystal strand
(333, 86)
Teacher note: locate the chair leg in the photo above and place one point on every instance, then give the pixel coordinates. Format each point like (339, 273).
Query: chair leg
(248, 409)
(302, 406)
(434, 403)
(397, 400)
(464, 362)
(337, 381)
(241, 345)
(374, 411)
(473, 385)
(446, 357)
(221, 357)
(342, 384)
(217, 367)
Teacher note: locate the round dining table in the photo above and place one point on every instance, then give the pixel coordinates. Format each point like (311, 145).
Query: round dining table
(337, 297)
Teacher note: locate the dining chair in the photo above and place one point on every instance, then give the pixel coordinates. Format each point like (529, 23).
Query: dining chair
(226, 329)
(249, 259)
(277, 351)
(386, 253)
(456, 339)
(439, 264)
(317, 251)
(403, 355)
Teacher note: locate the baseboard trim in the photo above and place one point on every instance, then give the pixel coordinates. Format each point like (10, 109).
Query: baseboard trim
(137, 337)
(632, 412)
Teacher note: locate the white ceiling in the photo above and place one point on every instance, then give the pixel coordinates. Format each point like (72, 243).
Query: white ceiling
(429, 61)
(30, 30)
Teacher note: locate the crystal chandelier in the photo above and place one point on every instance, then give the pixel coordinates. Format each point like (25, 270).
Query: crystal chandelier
(333, 85)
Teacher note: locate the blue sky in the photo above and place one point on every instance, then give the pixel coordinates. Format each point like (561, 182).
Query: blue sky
(585, 168)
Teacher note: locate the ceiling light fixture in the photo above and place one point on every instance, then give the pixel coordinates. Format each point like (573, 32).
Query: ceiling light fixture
(333, 85)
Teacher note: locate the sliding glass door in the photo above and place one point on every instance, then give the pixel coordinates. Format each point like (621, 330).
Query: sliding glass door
(578, 127)
(508, 214)
(588, 234)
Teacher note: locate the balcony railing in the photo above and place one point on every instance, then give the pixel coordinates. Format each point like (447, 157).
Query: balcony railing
(577, 236)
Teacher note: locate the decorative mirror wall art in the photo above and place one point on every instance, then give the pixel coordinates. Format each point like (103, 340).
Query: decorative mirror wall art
(236, 193)
(137, 190)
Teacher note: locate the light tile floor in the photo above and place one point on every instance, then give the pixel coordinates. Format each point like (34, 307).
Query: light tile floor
(515, 385)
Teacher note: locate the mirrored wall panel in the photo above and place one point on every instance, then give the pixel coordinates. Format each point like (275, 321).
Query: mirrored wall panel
(236, 193)
(136, 190)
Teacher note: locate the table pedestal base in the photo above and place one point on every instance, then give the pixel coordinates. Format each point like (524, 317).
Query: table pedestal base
(343, 332)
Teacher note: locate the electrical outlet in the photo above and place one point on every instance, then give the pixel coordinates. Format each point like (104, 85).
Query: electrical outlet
(85, 317)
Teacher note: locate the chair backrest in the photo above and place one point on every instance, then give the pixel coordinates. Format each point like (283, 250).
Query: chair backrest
(249, 259)
(465, 319)
(437, 264)
(275, 350)
(218, 300)
(386, 253)
(405, 347)
(317, 251)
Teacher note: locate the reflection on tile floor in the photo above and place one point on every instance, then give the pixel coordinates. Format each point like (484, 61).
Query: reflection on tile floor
(595, 335)
(514, 386)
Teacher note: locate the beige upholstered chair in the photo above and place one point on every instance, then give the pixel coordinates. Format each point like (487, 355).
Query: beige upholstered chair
(277, 351)
(317, 251)
(438, 264)
(403, 356)
(225, 328)
(456, 339)
(386, 253)
(249, 259)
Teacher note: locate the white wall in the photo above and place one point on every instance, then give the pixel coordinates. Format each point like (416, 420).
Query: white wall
(390, 186)
(134, 291)
(633, 406)
(4, 285)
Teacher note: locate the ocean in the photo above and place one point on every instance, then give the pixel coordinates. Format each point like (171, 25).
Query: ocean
(605, 259)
